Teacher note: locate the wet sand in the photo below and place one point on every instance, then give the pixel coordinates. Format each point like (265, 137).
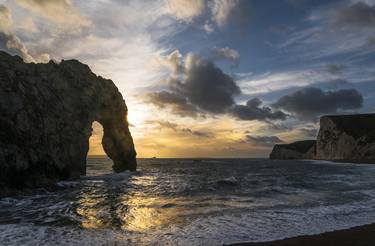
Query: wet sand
(356, 236)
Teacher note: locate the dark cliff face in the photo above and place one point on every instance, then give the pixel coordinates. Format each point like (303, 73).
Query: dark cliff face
(297, 150)
(346, 137)
(46, 114)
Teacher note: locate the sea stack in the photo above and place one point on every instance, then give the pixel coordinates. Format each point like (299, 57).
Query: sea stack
(46, 115)
(341, 138)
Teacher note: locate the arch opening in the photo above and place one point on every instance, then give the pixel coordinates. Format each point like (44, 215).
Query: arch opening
(97, 161)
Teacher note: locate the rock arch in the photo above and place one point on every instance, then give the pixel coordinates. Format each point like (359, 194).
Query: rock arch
(46, 114)
(117, 141)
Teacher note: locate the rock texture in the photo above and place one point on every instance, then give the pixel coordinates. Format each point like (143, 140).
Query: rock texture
(46, 115)
(346, 137)
(341, 138)
(297, 150)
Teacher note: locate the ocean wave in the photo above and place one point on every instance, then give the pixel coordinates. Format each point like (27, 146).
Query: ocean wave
(184, 204)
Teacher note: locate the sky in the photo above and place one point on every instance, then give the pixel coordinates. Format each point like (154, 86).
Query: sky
(214, 78)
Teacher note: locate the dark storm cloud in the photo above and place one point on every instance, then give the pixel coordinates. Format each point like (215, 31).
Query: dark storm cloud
(177, 103)
(205, 85)
(335, 68)
(199, 87)
(357, 15)
(267, 141)
(253, 111)
(311, 102)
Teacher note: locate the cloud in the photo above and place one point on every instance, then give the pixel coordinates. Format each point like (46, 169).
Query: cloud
(311, 102)
(200, 134)
(227, 54)
(178, 104)
(163, 124)
(197, 87)
(220, 13)
(337, 83)
(14, 43)
(58, 11)
(253, 111)
(5, 20)
(308, 132)
(186, 10)
(277, 80)
(11, 41)
(351, 21)
(335, 68)
(206, 85)
(175, 127)
(208, 27)
(266, 141)
(173, 62)
(358, 15)
(123, 46)
(225, 12)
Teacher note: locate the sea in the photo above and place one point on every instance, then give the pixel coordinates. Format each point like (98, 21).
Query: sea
(192, 202)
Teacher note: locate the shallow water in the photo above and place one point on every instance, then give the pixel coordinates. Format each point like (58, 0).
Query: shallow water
(189, 202)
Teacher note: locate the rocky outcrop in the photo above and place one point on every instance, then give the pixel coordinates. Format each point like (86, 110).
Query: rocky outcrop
(46, 115)
(341, 138)
(346, 137)
(297, 150)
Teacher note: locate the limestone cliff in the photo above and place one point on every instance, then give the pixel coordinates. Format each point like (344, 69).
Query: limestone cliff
(341, 138)
(297, 150)
(346, 137)
(46, 114)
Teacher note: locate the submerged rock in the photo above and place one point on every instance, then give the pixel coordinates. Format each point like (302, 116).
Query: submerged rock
(46, 114)
(341, 138)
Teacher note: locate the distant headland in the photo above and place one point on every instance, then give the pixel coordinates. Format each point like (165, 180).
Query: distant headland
(346, 138)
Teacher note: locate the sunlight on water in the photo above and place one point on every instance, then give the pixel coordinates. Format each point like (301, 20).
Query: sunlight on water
(145, 212)
(148, 213)
(182, 202)
(92, 213)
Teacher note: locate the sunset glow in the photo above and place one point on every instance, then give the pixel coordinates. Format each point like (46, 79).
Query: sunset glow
(209, 78)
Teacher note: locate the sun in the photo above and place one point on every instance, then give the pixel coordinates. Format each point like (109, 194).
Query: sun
(136, 117)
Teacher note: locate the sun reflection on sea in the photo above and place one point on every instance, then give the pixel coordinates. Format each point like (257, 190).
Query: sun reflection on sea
(147, 212)
(134, 211)
(93, 214)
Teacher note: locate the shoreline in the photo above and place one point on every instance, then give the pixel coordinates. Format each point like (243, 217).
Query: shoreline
(356, 236)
